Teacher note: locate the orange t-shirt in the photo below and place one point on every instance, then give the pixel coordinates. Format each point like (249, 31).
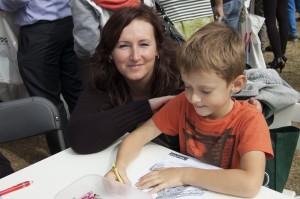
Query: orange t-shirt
(219, 142)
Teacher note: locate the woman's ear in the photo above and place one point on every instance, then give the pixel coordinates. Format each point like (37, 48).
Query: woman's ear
(238, 83)
(110, 59)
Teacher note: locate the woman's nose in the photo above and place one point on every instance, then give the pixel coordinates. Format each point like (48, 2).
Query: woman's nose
(135, 54)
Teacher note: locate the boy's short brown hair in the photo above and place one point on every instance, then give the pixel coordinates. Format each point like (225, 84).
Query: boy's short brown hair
(214, 48)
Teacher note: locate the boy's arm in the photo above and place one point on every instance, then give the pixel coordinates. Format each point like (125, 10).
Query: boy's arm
(132, 145)
(245, 182)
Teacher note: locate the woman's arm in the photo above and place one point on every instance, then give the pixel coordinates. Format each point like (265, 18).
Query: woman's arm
(91, 130)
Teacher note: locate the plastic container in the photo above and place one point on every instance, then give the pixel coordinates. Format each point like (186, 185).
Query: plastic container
(104, 188)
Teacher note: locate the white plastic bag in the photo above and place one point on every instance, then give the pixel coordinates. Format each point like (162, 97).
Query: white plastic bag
(249, 27)
(9, 72)
(11, 84)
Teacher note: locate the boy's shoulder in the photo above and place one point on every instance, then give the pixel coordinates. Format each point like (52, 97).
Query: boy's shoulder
(245, 105)
(180, 97)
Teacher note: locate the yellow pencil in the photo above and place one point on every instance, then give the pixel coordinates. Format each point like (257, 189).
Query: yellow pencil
(117, 173)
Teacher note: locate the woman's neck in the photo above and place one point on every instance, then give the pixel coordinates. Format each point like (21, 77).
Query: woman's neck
(139, 90)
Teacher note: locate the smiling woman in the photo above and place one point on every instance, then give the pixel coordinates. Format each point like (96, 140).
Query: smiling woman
(135, 72)
(134, 56)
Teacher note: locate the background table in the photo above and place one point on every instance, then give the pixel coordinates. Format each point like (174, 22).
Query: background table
(53, 174)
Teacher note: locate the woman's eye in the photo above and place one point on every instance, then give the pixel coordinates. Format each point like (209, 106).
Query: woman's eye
(123, 46)
(144, 44)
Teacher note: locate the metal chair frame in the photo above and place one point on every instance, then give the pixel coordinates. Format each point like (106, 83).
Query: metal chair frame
(28, 117)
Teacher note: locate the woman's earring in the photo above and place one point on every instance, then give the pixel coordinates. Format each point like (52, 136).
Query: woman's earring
(110, 59)
(157, 56)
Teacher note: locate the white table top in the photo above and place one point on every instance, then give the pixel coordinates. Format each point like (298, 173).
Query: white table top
(53, 174)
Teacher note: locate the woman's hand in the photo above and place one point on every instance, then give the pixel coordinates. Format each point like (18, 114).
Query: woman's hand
(157, 103)
(161, 178)
(255, 103)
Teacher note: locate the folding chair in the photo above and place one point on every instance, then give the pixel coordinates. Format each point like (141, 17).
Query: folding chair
(28, 117)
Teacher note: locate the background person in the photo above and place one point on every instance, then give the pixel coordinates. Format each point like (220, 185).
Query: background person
(256, 7)
(293, 6)
(228, 10)
(188, 16)
(276, 10)
(46, 57)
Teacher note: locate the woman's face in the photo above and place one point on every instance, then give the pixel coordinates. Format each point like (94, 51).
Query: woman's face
(135, 53)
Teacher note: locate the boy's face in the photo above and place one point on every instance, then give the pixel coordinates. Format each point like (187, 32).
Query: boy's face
(209, 94)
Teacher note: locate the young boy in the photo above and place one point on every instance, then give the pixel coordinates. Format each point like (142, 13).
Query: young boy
(212, 126)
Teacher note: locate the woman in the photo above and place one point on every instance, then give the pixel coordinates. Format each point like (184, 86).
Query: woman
(277, 10)
(134, 67)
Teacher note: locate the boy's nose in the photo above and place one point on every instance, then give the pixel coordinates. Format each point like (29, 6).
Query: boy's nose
(195, 98)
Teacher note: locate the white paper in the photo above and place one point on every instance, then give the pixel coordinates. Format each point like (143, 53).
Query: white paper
(176, 160)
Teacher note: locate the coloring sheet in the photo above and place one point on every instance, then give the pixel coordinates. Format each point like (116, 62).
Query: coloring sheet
(174, 159)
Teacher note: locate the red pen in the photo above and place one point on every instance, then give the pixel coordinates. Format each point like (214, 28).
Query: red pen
(15, 188)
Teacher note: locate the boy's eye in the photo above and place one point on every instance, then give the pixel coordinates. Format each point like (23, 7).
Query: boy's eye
(187, 87)
(206, 92)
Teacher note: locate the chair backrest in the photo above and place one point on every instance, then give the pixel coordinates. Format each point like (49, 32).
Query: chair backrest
(28, 117)
(285, 117)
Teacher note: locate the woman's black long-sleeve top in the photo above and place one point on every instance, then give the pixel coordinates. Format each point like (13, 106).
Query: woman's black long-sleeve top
(91, 130)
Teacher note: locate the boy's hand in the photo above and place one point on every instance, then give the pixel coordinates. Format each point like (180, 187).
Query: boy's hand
(255, 103)
(122, 173)
(157, 103)
(161, 178)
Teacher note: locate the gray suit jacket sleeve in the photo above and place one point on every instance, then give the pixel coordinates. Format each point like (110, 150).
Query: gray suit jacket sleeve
(88, 20)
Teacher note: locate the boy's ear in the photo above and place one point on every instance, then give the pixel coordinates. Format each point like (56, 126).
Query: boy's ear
(238, 83)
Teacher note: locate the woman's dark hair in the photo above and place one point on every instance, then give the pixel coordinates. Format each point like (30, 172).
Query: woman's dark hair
(166, 76)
